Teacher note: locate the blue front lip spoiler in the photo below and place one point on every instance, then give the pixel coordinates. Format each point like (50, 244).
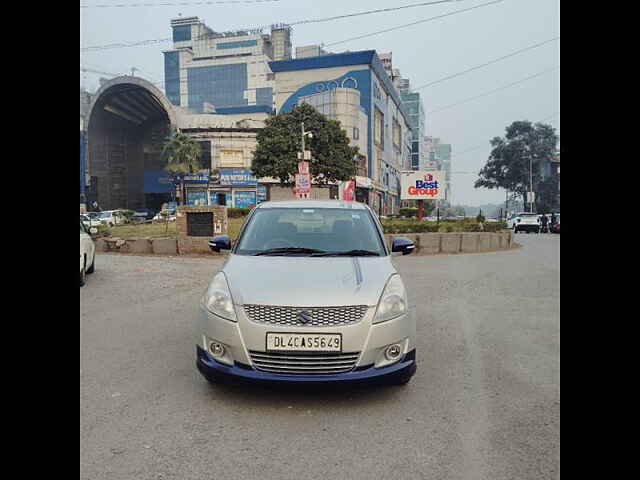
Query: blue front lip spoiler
(214, 370)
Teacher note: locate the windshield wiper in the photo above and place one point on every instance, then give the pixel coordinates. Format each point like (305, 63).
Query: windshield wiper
(287, 250)
(348, 253)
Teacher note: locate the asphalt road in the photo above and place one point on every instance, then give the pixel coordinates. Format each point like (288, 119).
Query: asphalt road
(484, 403)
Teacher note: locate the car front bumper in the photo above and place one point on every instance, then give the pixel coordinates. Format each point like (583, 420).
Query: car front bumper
(215, 371)
(245, 338)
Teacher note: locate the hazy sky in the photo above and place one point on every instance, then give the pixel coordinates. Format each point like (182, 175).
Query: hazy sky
(423, 53)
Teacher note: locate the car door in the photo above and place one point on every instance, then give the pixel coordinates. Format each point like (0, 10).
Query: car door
(84, 245)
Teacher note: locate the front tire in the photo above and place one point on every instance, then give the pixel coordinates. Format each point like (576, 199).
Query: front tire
(83, 273)
(92, 268)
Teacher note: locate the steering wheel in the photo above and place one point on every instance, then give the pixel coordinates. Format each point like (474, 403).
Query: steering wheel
(277, 243)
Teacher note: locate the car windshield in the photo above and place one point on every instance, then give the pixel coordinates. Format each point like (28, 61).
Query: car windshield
(310, 232)
(105, 214)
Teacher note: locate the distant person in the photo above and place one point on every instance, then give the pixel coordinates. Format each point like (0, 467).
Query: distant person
(553, 219)
(544, 221)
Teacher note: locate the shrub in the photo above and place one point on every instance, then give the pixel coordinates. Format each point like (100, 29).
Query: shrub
(236, 212)
(495, 226)
(408, 212)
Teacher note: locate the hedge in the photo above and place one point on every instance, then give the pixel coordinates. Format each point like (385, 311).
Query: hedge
(415, 226)
(236, 212)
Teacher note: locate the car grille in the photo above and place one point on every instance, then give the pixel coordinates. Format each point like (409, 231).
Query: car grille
(319, 316)
(304, 363)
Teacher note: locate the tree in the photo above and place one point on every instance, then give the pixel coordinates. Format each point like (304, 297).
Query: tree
(276, 155)
(508, 164)
(182, 155)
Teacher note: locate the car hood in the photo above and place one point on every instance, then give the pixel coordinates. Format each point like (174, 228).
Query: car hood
(307, 281)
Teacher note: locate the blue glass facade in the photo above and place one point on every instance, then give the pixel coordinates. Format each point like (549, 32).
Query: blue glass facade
(264, 96)
(172, 76)
(182, 33)
(238, 44)
(220, 85)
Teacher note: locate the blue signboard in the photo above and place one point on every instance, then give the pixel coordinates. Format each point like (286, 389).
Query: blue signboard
(196, 197)
(157, 181)
(201, 177)
(244, 199)
(262, 193)
(237, 177)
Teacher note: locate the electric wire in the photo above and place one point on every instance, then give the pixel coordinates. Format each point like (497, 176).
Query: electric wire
(299, 22)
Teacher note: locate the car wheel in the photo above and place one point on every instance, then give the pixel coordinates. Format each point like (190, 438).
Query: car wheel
(83, 274)
(92, 268)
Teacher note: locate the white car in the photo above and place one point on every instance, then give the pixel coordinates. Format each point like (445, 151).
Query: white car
(87, 252)
(112, 217)
(89, 221)
(525, 222)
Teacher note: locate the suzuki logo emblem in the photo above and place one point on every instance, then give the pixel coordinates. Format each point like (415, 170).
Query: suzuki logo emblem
(304, 317)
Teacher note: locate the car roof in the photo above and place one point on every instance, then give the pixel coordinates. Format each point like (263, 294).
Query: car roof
(314, 204)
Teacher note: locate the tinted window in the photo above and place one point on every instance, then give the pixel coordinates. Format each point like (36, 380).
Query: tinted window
(327, 229)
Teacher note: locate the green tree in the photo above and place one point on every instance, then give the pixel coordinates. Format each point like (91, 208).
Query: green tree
(508, 164)
(182, 155)
(280, 141)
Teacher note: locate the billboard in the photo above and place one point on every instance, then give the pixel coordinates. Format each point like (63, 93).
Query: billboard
(237, 177)
(422, 185)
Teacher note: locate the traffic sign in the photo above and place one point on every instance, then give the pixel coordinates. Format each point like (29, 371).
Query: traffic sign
(303, 183)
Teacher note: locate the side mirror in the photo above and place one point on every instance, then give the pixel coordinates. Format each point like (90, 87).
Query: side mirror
(93, 231)
(403, 245)
(220, 242)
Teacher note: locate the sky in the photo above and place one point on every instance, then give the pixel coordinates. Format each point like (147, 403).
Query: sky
(423, 53)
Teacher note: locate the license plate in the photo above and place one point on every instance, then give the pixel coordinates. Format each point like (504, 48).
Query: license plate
(300, 342)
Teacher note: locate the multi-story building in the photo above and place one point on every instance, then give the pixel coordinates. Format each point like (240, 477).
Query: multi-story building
(213, 72)
(387, 63)
(355, 88)
(439, 158)
(310, 51)
(415, 109)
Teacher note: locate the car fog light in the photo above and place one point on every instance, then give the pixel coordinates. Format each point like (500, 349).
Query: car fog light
(216, 349)
(393, 351)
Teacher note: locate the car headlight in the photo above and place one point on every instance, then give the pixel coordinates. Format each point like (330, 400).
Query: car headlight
(217, 299)
(393, 301)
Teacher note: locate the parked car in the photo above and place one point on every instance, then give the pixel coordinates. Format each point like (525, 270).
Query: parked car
(89, 221)
(113, 217)
(159, 218)
(526, 222)
(276, 312)
(143, 214)
(87, 252)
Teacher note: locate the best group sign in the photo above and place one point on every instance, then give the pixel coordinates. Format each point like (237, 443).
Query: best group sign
(422, 185)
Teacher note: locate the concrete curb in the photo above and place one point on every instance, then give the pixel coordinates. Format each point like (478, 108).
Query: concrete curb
(426, 243)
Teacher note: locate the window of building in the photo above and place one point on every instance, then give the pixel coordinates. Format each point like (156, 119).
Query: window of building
(397, 134)
(219, 85)
(239, 44)
(172, 76)
(378, 127)
(182, 33)
(231, 158)
(356, 133)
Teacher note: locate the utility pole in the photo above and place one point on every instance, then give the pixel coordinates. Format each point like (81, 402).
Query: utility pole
(530, 183)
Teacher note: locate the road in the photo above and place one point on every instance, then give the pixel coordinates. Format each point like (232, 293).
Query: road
(484, 403)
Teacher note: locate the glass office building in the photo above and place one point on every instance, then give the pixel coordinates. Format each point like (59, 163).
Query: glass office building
(207, 71)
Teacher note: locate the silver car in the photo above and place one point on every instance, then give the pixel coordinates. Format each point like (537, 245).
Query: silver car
(308, 294)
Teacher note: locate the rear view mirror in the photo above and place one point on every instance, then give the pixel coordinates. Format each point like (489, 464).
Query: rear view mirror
(220, 242)
(403, 245)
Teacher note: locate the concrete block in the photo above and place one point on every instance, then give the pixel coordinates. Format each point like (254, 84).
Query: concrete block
(165, 246)
(484, 243)
(503, 240)
(429, 243)
(450, 242)
(494, 243)
(139, 245)
(469, 242)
